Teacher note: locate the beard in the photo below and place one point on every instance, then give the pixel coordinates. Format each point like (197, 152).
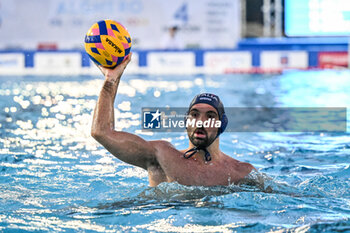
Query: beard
(201, 142)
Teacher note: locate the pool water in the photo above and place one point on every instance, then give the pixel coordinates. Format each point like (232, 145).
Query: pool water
(54, 177)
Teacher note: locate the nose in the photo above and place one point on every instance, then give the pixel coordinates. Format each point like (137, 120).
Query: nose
(203, 117)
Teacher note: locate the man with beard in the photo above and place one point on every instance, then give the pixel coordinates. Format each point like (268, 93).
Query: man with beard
(201, 164)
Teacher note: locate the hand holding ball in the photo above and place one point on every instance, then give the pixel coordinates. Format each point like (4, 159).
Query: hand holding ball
(107, 43)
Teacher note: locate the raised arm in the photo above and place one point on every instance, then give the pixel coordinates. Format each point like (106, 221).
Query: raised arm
(125, 146)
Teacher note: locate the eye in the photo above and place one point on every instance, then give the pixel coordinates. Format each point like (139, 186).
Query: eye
(211, 115)
(194, 114)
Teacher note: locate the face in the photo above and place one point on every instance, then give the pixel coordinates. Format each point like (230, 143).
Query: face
(172, 31)
(204, 135)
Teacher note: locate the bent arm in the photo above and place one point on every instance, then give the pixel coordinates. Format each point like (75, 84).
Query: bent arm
(125, 146)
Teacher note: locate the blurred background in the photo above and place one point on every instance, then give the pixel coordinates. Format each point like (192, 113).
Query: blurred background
(220, 36)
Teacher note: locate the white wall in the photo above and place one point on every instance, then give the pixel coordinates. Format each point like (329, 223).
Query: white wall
(205, 23)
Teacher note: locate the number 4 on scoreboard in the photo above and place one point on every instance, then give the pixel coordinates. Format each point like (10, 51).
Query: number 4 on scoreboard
(181, 13)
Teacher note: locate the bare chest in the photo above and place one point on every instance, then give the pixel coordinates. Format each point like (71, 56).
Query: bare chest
(194, 172)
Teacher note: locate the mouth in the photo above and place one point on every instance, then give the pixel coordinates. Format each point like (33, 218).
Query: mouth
(200, 134)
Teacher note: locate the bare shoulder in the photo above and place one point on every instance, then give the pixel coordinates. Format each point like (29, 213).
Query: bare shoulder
(162, 144)
(163, 148)
(165, 151)
(246, 167)
(242, 167)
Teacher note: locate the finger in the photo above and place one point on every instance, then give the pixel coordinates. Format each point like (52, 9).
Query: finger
(129, 56)
(99, 67)
(126, 61)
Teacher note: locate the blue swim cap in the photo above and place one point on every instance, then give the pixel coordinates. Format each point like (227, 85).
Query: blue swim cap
(214, 101)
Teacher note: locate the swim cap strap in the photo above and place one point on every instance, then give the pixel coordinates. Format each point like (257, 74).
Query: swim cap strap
(207, 155)
(195, 150)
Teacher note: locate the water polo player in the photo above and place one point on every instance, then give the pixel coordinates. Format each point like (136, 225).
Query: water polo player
(201, 164)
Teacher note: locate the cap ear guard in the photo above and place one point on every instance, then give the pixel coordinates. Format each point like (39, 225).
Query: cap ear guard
(224, 122)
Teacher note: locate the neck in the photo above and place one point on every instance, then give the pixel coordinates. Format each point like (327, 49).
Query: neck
(213, 149)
